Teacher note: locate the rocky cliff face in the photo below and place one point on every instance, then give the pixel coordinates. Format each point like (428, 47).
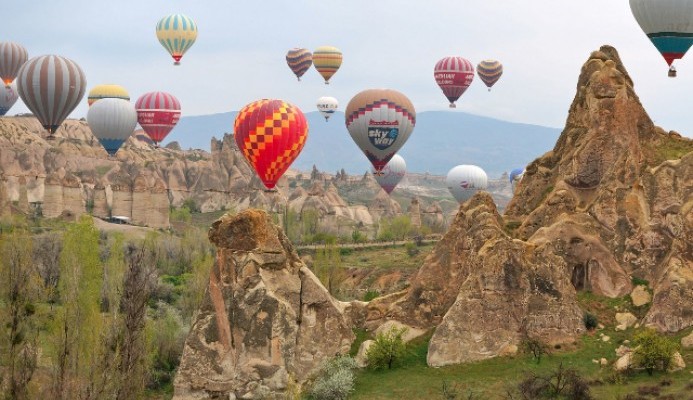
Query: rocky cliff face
(618, 191)
(265, 320)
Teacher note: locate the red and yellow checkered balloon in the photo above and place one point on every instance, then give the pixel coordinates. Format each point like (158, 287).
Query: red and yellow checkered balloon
(271, 134)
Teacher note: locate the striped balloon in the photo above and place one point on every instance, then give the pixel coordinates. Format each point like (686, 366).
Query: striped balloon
(157, 113)
(393, 172)
(489, 72)
(177, 33)
(51, 87)
(668, 24)
(380, 121)
(8, 96)
(327, 60)
(12, 57)
(112, 121)
(299, 61)
(107, 91)
(271, 134)
(453, 75)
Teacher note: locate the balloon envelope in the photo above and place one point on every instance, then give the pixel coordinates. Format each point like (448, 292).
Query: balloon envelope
(51, 87)
(107, 91)
(157, 113)
(465, 180)
(380, 121)
(177, 33)
(270, 134)
(112, 121)
(453, 75)
(391, 174)
(327, 106)
(489, 72)
(515, 177)
(8, 96)
(668, 24)
(12, 57)
(299, 61)
(327, 60)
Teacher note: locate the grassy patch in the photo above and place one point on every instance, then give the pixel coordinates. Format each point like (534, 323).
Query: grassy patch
(489, 378)
(386, 257)
(672, 148)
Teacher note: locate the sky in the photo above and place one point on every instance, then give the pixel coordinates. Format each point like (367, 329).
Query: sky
(240, 51)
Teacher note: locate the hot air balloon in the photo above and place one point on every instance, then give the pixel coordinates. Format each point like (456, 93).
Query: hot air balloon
(515, 177)
(327, 60)
(270, 134)
(668, 24)
(12, 57)
(327, 106)
(453, 75)
(157, 113)
(465, 180)
(8, 96)
(112, 121)
(51, 87)
(489, 72)
(299, 61)
(107, 91)
(393, 172)
(177, 33)
(380, 122)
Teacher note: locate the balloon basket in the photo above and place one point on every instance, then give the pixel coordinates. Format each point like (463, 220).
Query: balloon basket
(327, 83)
(176, 63)
(671, 73)
(452, 105)
(50, 137)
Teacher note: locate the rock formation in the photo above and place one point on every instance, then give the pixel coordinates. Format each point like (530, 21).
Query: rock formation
(617, 190)
(414, 212)
(265, 318)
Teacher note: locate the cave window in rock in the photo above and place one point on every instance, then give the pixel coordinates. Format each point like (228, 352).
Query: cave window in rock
(580, 276)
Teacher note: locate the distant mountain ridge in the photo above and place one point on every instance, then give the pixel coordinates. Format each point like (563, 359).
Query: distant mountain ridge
(440, 141)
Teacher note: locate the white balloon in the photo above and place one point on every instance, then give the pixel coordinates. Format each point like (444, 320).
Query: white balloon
(112, 121)
(327, 106)
(8, 96)
(393, 172)
(465, 180)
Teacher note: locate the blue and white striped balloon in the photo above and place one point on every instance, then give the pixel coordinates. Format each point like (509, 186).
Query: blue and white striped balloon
(177, 33)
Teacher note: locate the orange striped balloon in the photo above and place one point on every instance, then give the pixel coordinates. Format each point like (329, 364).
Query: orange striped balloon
(327, 60)
(12, 57)
(270, 134)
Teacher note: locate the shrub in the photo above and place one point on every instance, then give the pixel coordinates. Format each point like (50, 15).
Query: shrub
(335, 380)
(387, 350)
(561, 383)
(590, 320)
(653, 351)
(370, 295)
(411, 248)
(535, 347)
(358, 237)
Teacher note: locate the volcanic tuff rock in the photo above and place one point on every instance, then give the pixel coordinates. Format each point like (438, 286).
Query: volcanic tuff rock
(482, 290)
(265, 318)
(618, 191)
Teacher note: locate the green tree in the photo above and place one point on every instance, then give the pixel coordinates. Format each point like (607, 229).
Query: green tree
(20, 289)
(387, 350)
(78, 323)
(328, 266)
(401, 227)
(653, 351)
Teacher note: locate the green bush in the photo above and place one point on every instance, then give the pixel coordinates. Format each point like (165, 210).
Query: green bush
(358, 237)
(370, 295)
(411, 248)
(335, 380)
(653, 351)
(387, 350)
(590, 321)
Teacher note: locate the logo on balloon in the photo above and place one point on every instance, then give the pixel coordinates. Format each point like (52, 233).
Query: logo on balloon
(466, 185)
(382, 134)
